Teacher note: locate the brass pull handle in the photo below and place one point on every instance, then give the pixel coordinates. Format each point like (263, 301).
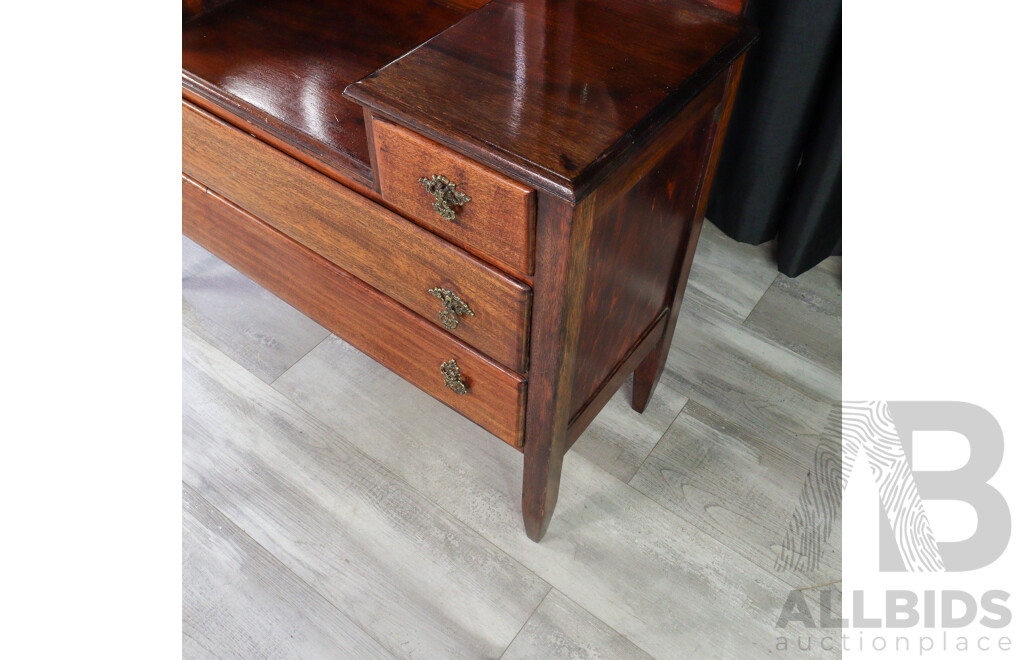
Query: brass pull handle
(453, 377)
(452, 309)
(445, 195)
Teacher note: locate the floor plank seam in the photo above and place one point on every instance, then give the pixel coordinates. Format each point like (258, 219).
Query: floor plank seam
(523, 627)
(759, 333)
(791, 386)
(750, 438)
(301, 358)
(411, 487)
(781, 449)
(776, 437)
(751, 331)
(497, 547)
(625, 637)
(740, 553)
(197, 493)
(759, 301)
(640, 465)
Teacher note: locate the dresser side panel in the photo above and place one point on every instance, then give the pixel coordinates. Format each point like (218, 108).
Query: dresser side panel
(641, 228)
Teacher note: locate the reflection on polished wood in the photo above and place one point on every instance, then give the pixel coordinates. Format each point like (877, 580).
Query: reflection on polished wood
(582, 136)
(285, 63)
(554, 91)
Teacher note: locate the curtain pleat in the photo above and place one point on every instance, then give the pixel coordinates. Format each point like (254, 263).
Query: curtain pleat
(780, 170)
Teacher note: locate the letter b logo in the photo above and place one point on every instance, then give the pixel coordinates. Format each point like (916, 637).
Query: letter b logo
(904, 525)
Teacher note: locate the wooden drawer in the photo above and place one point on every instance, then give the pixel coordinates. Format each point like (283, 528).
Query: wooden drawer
(379, 247)
(362, 316)
(497, 223)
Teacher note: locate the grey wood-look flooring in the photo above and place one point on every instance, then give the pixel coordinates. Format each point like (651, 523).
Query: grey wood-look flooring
(331, 510)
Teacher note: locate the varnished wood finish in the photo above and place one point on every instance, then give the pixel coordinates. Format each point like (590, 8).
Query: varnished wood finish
(563, 246)
(252, 127)
(395, 337)
(649, 372)
(346, 179)
(731, 6)
(616, 377)
(584, 132)
(283, 64)
(635, 253)
(553, 92)
(498, 221)
(339, 459)
(381, 248)
(193, 8)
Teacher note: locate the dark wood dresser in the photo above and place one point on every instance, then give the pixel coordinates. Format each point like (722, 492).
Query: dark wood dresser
(499, 201)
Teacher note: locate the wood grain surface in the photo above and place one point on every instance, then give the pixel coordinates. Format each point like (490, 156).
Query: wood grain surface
(418, 580)
(243, 602)
(648, 374)
(381, 248)
(683, 528)
(553, 93)
(193, 8)
(640, 234)
(563, 247)
(283, 64)
(388, 332)
(498, 221)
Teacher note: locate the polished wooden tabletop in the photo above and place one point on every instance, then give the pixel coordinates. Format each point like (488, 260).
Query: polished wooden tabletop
(558, 87)
(286, 62)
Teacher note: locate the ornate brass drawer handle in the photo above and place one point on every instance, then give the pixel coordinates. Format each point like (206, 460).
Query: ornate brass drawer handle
(445, 195)
(453, 377)
(453, 307)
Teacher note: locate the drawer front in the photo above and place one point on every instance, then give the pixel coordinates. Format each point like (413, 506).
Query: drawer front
(495, 219)
(416, 268)
(371, 322)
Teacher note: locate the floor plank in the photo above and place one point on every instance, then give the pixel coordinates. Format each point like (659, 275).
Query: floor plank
(405, 516)
(728, 276)
(239, 601)
(422, 583)
(767, 391)
(640, 569)
(619, 438)
(742, 492)
(804, 314)
(194, 258)
(248, 323)
(562, 629)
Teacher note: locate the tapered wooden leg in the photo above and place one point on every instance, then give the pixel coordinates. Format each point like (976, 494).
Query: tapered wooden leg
(563, 247)
(647, 375)
(541, 476)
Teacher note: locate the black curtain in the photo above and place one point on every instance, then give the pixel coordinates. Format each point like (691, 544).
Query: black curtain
(780, 171)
